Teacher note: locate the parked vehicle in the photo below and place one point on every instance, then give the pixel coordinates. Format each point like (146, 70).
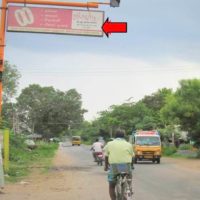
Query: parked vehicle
(76, 140)
(54, 139)
(147, 146)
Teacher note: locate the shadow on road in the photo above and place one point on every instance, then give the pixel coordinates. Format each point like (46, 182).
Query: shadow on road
(70, 168)
(146, 163)
(67, 145)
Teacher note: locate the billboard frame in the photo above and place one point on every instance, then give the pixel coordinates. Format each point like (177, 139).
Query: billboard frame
(87, 35)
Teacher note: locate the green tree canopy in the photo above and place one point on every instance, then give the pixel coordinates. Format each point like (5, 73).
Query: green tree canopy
(184, 108)
(48, 111)
(11, 78)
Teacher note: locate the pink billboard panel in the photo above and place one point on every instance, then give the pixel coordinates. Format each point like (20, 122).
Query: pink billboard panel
(55, 20)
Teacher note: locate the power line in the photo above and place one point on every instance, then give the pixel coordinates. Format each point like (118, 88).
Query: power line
(114, 70)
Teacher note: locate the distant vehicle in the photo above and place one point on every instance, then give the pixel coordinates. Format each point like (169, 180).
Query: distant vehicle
(147, 146)
(54, 139)
(76, 140)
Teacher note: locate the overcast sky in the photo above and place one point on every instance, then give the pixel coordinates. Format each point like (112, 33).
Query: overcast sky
(162, 46)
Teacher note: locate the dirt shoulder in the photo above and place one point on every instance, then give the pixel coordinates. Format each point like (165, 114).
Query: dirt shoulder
(190, 164)
(42, 186)
(64, 181)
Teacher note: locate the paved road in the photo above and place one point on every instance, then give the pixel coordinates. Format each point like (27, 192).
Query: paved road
(165, 181)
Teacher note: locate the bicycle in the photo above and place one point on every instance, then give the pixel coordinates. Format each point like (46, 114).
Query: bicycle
(123, 188)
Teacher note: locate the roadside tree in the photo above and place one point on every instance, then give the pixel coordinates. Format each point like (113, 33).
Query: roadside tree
(184, 108)
(48, 111)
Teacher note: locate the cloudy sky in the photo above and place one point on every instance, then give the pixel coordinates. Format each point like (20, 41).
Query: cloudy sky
(162, 46)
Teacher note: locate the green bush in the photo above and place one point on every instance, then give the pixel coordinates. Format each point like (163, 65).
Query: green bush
(198, 154)
(167, 151)
(22, 158)
(185, 147)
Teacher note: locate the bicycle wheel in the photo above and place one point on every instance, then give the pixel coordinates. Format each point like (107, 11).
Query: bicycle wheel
(118, 189)
(127, 190)
(123, 188)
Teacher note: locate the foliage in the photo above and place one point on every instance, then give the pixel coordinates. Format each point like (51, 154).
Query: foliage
(22, 158)
(10, 85)
(43, 110)
(155, 103)
(167, 111)
(87, 131)
(185, 147)
(168, 151)
(127, 116)
(8, 111)
(157, 100)
(169, 130)
(52, 113)
(10, 81)
(184, 108)
(132, 116)
(49, 112)
(144, 114)
(198, 154)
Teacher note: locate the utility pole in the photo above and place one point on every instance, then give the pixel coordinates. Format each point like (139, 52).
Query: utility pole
(2, 45)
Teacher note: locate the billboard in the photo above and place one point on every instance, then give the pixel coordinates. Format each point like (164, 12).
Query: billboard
(55, 20)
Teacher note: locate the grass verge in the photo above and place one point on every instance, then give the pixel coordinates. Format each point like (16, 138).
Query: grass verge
(24, 160)
(181, 152)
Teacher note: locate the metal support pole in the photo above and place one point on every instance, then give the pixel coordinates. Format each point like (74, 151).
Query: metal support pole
(57, 3)
(6, 149)
(2, 46)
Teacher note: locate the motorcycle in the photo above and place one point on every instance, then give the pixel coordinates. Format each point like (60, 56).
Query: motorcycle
(99, 158)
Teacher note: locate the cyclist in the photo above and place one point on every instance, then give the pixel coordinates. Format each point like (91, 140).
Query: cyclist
(118, 154)
(97, 147)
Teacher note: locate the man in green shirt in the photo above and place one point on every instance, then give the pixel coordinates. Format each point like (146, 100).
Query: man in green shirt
(118, 154)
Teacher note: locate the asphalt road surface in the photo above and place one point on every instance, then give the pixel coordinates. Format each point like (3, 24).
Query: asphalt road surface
(165, 181)
(75, 176)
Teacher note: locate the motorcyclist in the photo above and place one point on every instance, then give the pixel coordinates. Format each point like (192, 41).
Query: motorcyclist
(97, 148)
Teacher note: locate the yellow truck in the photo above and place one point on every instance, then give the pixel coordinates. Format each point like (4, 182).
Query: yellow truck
(147, 146)
(76, 140)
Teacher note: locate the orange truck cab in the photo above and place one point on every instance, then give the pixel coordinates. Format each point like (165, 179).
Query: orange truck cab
(147, 146)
